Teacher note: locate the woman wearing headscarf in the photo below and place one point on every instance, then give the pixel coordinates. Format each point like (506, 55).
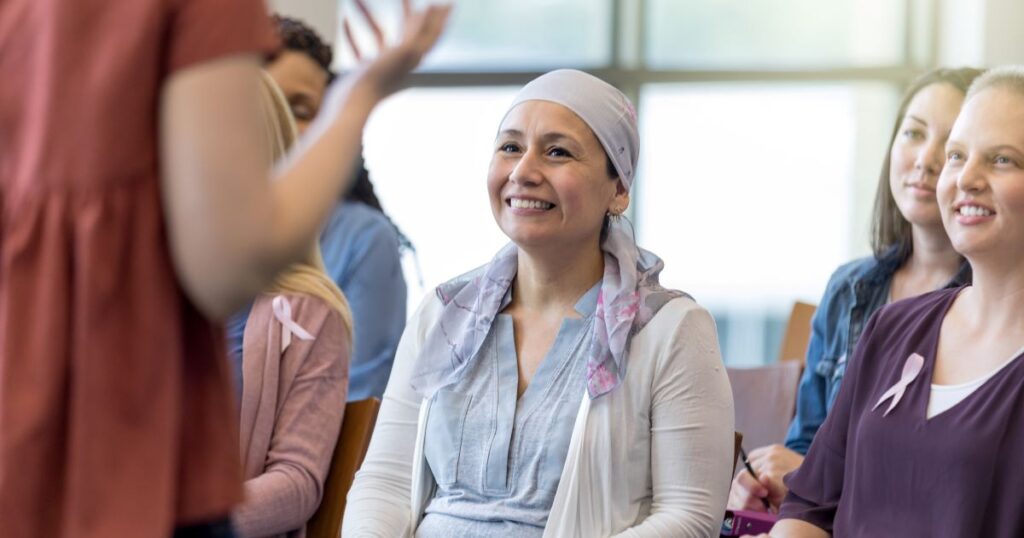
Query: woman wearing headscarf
(559, 390)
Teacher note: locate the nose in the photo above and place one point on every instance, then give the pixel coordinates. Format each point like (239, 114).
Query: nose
(527, 170)
(972, 176)
(930, 157)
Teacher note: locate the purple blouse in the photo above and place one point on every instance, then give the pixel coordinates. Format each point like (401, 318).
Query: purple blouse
(958, 474)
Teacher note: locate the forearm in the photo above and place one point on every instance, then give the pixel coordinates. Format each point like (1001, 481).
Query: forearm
(309, 182)
(231, 227)
(276, 502)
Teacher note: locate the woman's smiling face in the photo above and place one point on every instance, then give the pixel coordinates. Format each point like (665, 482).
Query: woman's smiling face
(548, 180)
(981, 191)
(918, 152)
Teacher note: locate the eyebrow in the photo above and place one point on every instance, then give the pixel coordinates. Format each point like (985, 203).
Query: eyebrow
(302, 97)
(553, 136)
(917, 119)
(1005, 147)
(510, 132)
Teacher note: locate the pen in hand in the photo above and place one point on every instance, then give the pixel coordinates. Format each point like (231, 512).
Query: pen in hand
(750, 469)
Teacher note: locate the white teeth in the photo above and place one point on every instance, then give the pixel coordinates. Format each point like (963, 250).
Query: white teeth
(974, 211)
(519, 203)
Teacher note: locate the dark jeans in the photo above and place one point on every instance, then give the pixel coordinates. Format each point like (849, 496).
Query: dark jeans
(216, 529)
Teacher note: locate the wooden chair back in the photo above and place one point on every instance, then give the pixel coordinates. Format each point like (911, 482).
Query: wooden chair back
(798, 333)
(353, 440)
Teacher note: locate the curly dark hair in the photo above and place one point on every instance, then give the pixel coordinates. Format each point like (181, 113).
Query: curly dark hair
(295, 35)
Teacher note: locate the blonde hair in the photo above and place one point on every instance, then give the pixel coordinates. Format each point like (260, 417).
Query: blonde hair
(1008, 76)
(309, 276)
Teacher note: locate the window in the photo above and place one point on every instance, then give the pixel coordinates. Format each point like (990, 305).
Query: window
(774, 33)
(427, 151)
(729, 172)
(487, 35)
(747, 110)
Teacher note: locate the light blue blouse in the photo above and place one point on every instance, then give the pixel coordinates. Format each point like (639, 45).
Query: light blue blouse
(497, 459)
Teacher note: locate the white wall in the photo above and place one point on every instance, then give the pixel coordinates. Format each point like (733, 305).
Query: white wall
(321, 15)
(981, 32)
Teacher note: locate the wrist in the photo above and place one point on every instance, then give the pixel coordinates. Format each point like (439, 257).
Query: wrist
(363, 90)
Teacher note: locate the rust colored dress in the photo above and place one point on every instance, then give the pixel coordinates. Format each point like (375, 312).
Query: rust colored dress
(116, 415)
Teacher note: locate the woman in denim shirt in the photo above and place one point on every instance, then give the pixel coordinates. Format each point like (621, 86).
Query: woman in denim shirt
(912, 255)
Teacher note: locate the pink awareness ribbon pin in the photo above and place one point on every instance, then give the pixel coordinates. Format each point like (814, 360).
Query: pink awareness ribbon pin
(283, 313)
(911, 369)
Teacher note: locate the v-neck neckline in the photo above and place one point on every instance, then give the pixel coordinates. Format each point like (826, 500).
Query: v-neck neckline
(585, 307)
(928, 370)
(554, 361)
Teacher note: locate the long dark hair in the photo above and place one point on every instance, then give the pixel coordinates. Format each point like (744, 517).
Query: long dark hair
(889, 229)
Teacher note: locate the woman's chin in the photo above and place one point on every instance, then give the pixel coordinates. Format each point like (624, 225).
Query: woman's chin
(922, 215)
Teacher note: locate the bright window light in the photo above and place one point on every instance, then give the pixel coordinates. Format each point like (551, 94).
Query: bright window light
(427, 151)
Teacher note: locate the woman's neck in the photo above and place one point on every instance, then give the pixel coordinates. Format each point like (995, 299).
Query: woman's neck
(996, 297)
(932, 263)
(933, 253)
(557, 279)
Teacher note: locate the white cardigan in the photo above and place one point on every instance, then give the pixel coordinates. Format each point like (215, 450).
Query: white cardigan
(652, 458)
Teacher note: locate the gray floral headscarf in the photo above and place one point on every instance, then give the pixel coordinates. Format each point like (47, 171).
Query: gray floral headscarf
(630, 293)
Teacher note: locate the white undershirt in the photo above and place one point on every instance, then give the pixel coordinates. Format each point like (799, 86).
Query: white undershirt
(945, 396)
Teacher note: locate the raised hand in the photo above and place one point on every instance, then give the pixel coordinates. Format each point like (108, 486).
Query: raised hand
(420, 31)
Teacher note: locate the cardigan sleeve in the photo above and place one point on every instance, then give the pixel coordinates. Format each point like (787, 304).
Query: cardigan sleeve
(816, 487)
(288, 491)
(378, 503)
(692, 422)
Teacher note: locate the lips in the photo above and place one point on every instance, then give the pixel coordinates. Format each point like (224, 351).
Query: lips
(919, 186)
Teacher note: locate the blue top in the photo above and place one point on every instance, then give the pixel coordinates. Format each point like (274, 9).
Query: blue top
(854, 293)
(235, 329)
(497, 460)
(360, 250)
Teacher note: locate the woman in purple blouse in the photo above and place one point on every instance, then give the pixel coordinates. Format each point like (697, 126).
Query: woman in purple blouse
(927, 433)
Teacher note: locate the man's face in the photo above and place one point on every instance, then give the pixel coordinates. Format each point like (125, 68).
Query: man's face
(303, 82)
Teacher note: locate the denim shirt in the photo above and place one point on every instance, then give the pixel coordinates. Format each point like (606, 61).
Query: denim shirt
(854, 293)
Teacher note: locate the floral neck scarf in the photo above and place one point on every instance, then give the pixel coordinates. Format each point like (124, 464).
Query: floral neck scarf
(630, 296)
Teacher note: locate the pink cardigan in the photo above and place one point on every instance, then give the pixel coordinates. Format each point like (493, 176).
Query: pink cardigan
(292, 406)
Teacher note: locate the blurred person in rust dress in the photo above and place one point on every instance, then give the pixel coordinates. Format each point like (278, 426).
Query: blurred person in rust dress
(135, 212)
